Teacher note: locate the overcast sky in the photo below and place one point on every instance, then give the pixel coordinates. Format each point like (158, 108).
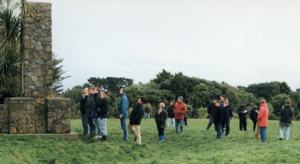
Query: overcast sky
(237, 41)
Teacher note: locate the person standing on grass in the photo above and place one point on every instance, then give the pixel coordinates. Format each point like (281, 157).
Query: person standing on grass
(147, 111)
(135, 120)
(123, 106)
(262, 120)
(102, 109)
(243, 111)
(96, 95)
(218, 119)
(160, 119)
(211, 111)
(286, 117)
(227, 115)
(88, 111)
(253, 115)
(186, 115)
(179, 110)
(171, 121)
(222, 99)
(84, 118)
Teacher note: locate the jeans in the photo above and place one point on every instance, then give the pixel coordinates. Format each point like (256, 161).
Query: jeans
(263, 134)
(97, 125)
(124, 127)
(92, 125)
(85, 124)
(103, 128)
(243, 123)
(211, 121)
(219, 131)
(136, 131)
(181, 125)
(147, 115)
(254, 125)
(171, 122)
(287, 131)
(226, 122)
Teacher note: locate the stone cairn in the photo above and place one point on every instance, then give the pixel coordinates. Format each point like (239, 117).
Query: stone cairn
(37, 112)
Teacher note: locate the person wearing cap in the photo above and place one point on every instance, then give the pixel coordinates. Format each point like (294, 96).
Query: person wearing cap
(253, 115)
(286, 117)
(179, 110)
(262, 120)
(243, 111)
(135, 120)
(160, 120)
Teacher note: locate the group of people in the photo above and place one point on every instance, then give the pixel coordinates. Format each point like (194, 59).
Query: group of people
(220, 114)
(94, 112)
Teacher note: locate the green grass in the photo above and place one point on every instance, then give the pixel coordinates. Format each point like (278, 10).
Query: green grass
(196, 146)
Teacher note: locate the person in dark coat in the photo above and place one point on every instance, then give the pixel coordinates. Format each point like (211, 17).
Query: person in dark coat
(102, 111)
(243, 111)
(84, 118)
(218, 119)
(171, 116)
(253, 114)
(286, 117)
(211, 113)
(89, 107)
(227, 115)
(147, 111)
(160, 119)
(135, 120)
(186, 115)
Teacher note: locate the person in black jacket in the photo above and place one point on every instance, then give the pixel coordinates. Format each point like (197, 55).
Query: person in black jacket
(84, 118)
(253, 114)
(211, 113)
(243, 111)
(218, 119)
(171, 116)
(135, 120)
(160, 119)
(88, 111)
(286, 117)
(227, 115)
(102, 111)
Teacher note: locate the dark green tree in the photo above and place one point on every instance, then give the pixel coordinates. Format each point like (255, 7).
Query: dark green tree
(284, 88)
(265, 90)
(163, 76)
(58, 74)
(112, 84)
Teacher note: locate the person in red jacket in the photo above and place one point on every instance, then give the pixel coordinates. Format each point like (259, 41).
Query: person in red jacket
(262, 120)
(179, 111)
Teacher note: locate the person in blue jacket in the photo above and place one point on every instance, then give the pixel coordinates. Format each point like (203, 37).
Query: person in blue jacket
(123, 106)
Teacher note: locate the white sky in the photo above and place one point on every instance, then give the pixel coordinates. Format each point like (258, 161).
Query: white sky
(237, 41)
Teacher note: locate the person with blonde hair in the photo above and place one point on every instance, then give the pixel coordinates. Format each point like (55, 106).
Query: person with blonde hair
(227, 115)
(286, 117)
(160, 119)
(262, 120)
(102, 111)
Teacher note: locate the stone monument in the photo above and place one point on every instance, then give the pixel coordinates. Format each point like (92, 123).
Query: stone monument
(37, 112)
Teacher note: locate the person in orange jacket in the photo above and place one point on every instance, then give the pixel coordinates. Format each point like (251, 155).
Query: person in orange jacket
(179, 111)
(262, 120)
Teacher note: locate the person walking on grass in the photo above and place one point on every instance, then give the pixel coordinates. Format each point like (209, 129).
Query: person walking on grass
(123, 106)
(160, 119)
(227, 115)
(253, 115)
(102, 109)
(286, 117)
(211, 113)
(262, 120)
(89, 107)
(179, 111)
(147, 111)
(171, 119)
(135, 120)
(243, 111)
(218, 119)
(84, 118)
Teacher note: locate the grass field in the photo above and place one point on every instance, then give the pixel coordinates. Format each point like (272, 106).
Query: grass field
(196, 146)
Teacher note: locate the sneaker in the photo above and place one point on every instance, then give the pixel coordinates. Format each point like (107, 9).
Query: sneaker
(280, 139)
(97, 136)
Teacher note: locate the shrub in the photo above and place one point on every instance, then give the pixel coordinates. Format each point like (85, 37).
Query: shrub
(297, 117)
(273, 117)
(235, 115)
(200, 113)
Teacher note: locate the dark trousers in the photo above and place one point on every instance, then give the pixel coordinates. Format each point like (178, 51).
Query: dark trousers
(243, 123)
(161, 131)
(92, 125)
(226, 122)
(219, 131)
(185, 121)
(254, 125)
